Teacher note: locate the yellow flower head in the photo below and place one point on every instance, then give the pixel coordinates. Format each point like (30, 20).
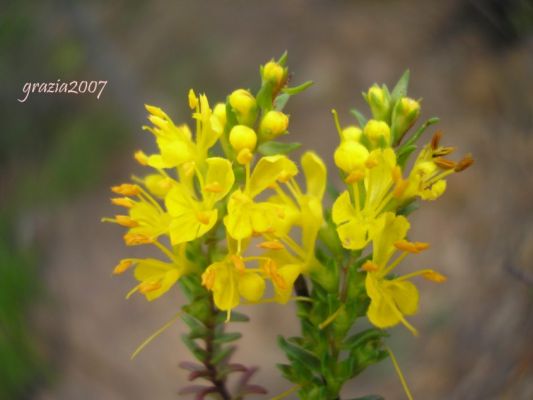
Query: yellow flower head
(391, 299)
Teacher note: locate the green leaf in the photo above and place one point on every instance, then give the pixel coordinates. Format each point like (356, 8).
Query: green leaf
(409, 208)
(404, 153)
(198, 329)
(361, 338)
(297, 353)
(400, 90)
(281, 101)
(298, 89)
(414, 138)
(223, 354)
(271, 148)
(361, 119)
(264, 96)
(227, 337)
(195, 349)
(283, 59)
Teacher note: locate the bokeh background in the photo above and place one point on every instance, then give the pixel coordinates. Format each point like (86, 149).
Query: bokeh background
(66, 331)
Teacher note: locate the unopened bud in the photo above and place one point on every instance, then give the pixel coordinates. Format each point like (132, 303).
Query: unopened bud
(405, 115)
(350, 156)
(352, 133)
(158, 185)
(220, 112)
(379, 103)
(273, 124)
(274, 73)
(244, 105)
(242, 137)
(378, 133)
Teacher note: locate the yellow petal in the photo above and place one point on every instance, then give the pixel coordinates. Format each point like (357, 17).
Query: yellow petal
(387, 230)
(343, 210)
(315, 174)
(354, 234)
(404, 294)
(225, 290)
(288, 273)
(191, 225)
(219, 177)
(268, 170)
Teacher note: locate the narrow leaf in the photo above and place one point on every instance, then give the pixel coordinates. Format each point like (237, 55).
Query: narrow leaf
(298, 89)
(227, 337)
(281, 101)
(271, 148)
(361, 119)
(400, 90)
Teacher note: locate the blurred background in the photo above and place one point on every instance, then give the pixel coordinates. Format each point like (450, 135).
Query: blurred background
(66, 331)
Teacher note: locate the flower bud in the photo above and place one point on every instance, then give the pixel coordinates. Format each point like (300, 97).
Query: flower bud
(350, 156)
(244, 105)
(352, 133)
(274, 73)
(273, 124)
(377, 132)
(406, 112)
(242, 137)
(220, 112)
(379, 103)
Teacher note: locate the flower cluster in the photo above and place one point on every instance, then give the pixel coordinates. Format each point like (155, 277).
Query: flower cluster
(244, 205)
(238, 221)
(379, 188)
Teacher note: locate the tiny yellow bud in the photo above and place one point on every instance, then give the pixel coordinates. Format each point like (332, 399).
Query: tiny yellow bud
(274, 72)
(273, 124)
(271, 245)
(135, 239)
(242, 137)
(411, 247)
(122, 267)
(466, 162)
(126, 189)
(208, 278)
(377, 132)
(352, 133)
(379, 103)
(238, 262)
(126, 221)
(405, 115)
(244, 105)
(147, 287)
(434, 276)
(444, 163)
(140, 157)
(350, 156)
(370, 266)
(123, 202)
(156, 111)
(203, 217)
(220, 112)
(193, 100)
(244, 156)
(213, 187)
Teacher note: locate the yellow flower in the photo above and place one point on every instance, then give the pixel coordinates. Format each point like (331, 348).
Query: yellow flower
(192, 217)
(146, 219)
(391, 299)
(427, 177)
(246, 216)
(175, 143)
(355, 212)
(229, 280)
(156, 277)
